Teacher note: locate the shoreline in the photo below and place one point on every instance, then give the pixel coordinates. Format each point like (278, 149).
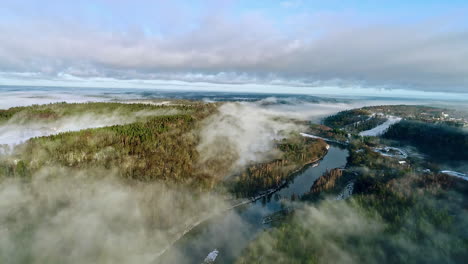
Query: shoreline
(242, 203)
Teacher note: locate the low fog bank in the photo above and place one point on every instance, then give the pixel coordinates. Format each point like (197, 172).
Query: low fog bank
(302, 110)
(26, 96)
(62, 216)
(246, 117)
(19, 129)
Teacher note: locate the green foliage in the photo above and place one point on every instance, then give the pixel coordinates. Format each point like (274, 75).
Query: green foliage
(381, 225)
(394, 216)
(21, 169)
(365, 156)
(156, 148)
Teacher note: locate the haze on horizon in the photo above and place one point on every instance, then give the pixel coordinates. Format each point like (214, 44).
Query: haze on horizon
(321, 47)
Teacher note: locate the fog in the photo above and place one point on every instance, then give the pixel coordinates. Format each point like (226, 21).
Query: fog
(64, 216)
(342, 232)
(14, 97)
(95, 217)
(241, 134)
(19, 128)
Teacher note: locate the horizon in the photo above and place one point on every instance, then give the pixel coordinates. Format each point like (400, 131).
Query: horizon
(201, 87)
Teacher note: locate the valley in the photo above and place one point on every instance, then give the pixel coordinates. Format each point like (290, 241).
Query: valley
(233, 206)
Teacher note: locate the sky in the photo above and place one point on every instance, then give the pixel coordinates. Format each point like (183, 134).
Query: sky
(296, 45)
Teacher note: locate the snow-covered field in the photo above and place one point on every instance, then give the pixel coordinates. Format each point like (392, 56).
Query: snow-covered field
(381, 129)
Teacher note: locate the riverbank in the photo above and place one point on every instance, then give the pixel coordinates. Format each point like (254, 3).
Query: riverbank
(246, 217)
(296, 152)
(244, 202)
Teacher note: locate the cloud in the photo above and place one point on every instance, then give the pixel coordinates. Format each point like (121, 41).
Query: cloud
(250, 47)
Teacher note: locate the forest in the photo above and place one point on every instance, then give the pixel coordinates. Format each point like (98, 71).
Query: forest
(154, 148)
(354, 121)
(438, 140)
(327, 132)
(365, 118)
(415, 112)
(348, 117)
(297, 153)
(392, 209)
(54, 111)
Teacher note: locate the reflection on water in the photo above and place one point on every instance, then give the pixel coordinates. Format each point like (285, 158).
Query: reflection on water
(231, 232)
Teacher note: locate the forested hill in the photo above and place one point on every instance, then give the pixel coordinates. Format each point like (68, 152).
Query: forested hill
(440, 141)
(395, 213)
(55, 111)
(157, 146)
(439, 132)
(356, 120)
(159, 142)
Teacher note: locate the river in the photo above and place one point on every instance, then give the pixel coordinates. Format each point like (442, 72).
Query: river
(231, 232)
